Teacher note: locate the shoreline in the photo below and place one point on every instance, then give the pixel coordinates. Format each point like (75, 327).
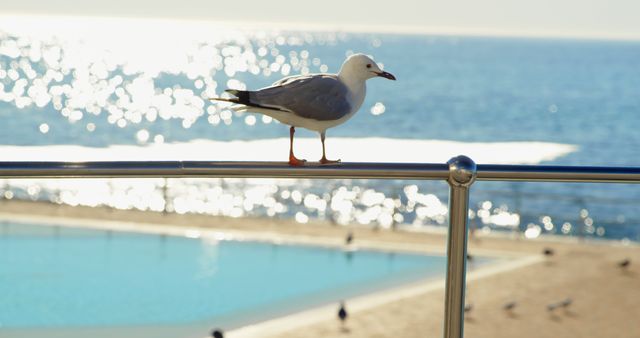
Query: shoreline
(370, 314)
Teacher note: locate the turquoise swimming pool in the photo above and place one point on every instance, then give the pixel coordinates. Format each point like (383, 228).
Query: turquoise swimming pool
(61, 277)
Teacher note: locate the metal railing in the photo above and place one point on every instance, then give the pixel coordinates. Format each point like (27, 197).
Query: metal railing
(460, 173)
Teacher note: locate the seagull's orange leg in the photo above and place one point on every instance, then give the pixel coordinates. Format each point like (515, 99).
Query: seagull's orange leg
(293, 161)
(324, 160)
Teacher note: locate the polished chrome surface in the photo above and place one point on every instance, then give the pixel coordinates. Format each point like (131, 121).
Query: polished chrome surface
(221, 169)
(462, 173)
(548, 173)
(485, 172)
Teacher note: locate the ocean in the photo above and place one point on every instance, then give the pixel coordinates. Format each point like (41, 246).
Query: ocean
(107, 89)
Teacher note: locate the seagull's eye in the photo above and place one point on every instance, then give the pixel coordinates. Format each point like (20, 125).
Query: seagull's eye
(368, 65)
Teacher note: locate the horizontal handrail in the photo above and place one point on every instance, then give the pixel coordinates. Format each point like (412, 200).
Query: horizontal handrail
(485, 172)
(221, 169)
(550, 173)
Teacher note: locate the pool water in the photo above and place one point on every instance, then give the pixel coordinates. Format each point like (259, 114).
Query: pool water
(61, 277)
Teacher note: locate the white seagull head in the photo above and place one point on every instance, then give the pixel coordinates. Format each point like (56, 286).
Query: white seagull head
(362, 67)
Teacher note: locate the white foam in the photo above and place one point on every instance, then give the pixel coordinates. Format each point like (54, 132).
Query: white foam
(348, 149)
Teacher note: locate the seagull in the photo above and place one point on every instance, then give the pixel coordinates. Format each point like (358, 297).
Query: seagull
(468, 308)
(342, 314)
(548, 252)
(316, 102)
(510, 306)
(624, 264)
(349, 239)
(566, 303)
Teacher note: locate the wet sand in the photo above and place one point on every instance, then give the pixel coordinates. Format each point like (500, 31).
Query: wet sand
(605, 299)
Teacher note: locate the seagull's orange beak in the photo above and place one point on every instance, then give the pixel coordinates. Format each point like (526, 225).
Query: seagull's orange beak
(386, 75)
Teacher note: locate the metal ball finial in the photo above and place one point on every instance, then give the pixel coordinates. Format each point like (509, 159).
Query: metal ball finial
(462, 171)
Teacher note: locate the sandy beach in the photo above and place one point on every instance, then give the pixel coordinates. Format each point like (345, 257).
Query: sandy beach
(605, 299)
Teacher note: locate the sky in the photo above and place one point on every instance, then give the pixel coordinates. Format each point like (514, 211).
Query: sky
(565, 18)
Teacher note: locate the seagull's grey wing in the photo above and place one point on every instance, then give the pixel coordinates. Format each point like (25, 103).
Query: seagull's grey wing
(319, 97)
(288, 79)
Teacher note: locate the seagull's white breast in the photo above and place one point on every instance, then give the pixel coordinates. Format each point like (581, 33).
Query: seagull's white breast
(357, 94)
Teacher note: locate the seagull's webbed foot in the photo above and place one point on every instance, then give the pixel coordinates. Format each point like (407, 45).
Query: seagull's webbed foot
(324, 160)
(296, 162)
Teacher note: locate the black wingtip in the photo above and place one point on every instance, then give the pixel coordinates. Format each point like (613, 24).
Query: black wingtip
(242, 95)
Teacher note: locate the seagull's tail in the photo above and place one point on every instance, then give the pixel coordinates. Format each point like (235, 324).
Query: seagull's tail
(234, 100)
(243, 99)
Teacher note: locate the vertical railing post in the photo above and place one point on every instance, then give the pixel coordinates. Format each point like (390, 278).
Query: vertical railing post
(462, 173)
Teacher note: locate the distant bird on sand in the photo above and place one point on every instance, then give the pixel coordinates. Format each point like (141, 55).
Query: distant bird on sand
(565, 304)
(316, 102)
(509, 307)
(548, 252)
(217, 333)
(468, 308)
(624, 264)
(342, 314)
(349, 239)
(551, 307)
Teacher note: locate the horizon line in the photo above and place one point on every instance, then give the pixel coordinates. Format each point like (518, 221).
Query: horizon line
(347, 28)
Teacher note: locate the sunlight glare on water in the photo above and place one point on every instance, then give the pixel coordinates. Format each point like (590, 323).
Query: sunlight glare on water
(113, 69)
